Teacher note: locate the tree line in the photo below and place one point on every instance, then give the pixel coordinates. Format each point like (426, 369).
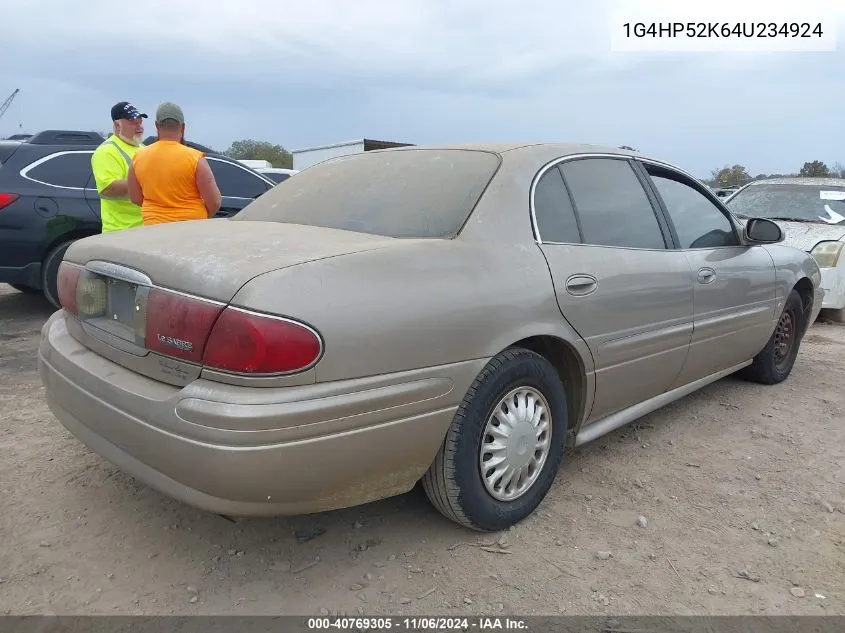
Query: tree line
(738, 175)
(250, 149)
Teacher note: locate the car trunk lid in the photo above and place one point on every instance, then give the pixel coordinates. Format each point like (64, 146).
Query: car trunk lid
(147, 298)
(214, 258)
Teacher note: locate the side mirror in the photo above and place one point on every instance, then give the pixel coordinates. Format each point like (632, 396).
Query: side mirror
(763, 231)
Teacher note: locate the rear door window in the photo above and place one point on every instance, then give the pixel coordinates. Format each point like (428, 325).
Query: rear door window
(67, 169)
(612, 204)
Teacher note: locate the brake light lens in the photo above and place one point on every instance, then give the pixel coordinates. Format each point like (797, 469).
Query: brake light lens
(178, 325)
(250, 343)
(7, 198)
(67, 282)
(201, 331)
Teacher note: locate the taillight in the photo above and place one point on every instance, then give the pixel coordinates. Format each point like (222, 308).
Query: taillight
(178, 325)
(67, 282)
(251, 343)
(7, 198)
(201, 331)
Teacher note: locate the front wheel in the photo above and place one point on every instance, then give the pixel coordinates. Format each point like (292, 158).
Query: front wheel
(503, 449)
(774, 363)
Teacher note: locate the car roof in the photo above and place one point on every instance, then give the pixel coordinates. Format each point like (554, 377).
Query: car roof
(532, 155)
(560, 148)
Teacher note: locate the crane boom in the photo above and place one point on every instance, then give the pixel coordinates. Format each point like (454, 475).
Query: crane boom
(8, 102)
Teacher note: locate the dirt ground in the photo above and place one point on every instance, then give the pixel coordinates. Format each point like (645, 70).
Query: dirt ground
(741, 487)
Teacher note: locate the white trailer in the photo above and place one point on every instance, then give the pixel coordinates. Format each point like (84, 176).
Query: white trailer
(256, 164)
(308, 156)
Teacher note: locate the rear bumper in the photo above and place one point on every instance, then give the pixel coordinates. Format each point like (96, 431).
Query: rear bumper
(833, 284)
(29, 275)
(253, 451)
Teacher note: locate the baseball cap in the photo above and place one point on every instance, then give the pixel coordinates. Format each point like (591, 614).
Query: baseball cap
(169, 110)
(125, 110)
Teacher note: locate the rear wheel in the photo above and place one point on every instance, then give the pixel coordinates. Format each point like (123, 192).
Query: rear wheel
(774, 363)
(505, 444)
(50, 272)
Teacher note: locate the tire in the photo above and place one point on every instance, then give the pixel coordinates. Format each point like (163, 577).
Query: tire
(50, 273)
(773, 365)
(454, 482)
(27, 290)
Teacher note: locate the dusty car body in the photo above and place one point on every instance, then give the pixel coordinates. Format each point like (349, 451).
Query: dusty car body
(457, 315)
(811, 212)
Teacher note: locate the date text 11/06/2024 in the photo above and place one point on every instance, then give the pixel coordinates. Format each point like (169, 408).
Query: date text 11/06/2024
(722, 29)
(419, 623)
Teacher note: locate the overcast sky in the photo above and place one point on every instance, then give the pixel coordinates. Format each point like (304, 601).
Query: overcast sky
(423, 71)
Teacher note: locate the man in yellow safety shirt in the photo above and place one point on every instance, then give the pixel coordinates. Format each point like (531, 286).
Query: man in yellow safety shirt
(110, 164)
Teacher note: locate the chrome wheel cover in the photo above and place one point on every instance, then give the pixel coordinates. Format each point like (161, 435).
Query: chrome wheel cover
(515, 444)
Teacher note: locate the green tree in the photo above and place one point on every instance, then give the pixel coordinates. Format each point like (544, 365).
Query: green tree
(815, 169)
(731, 176)
(250, 149)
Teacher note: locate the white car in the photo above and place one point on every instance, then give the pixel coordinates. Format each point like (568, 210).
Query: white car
(277, 174)
(811, 212)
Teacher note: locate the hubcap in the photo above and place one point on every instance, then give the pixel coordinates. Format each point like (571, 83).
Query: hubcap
(515, 444)
(784, 336)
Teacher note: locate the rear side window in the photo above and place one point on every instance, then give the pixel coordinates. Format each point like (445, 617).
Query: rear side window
(235, 182)
(406, 193)
(63, 170)
(612, 205)
(553, 210)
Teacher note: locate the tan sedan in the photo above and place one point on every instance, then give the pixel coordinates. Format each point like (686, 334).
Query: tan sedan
(455, 314)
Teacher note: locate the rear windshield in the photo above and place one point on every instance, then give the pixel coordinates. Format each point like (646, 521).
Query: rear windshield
(7, 148)
(418, 193)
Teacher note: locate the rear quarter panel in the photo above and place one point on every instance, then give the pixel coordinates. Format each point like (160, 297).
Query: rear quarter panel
(414, 305)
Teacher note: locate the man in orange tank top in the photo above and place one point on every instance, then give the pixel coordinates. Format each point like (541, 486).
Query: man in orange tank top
(169, 180)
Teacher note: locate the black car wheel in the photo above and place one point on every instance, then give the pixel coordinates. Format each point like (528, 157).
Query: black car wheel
(774, 363)
(50, 272)
(503, 449)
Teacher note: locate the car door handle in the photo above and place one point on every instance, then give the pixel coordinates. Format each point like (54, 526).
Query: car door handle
(706, 275)
(581, 284)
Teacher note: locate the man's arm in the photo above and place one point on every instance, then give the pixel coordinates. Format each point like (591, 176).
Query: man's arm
(108, 174)
(136, 194)
(118, 189)
(207, 186)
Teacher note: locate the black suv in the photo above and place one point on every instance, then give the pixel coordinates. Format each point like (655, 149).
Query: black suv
(48, 199)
